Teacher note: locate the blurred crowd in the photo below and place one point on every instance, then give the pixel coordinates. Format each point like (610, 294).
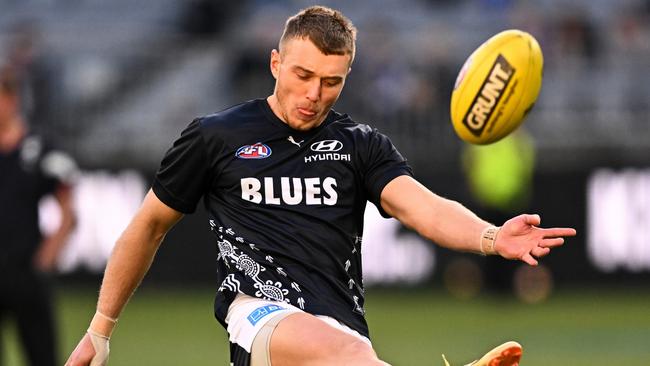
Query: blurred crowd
(146, 73)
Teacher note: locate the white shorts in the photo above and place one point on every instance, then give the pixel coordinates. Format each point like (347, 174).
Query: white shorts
(247, 315)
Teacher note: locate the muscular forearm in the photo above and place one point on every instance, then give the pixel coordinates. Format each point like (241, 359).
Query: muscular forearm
(451, 225)
(443, 221)
(133, 254)
(131, 259)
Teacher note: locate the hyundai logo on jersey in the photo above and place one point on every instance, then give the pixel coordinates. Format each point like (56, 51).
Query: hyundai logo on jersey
(255, 151)
(327, 146)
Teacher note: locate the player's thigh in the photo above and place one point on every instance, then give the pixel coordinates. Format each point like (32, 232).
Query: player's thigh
(303, 339)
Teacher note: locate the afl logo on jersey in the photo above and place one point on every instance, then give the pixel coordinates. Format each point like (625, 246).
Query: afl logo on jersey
(255, 151)
(327, 146)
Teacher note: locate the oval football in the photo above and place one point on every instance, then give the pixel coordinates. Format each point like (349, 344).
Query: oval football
(497, 87)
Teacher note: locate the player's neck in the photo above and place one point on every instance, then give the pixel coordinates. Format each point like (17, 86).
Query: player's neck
(11, 132)
(272, 100)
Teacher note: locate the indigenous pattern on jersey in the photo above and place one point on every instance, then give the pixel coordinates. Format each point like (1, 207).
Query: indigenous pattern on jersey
(286, 206)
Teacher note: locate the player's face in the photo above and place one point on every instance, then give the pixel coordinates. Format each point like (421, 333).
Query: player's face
(307, 83)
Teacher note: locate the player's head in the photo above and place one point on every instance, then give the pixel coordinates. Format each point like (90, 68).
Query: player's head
(311, 64)
(8, 94)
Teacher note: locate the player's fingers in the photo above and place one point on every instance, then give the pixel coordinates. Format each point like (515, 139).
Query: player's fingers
(73, 360)
(534, 220)
(84, 353)
(529, 259)
(551, 243)
(559, 231)
(540, 252)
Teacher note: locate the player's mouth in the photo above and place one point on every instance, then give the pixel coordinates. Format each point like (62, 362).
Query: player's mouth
(306, 112)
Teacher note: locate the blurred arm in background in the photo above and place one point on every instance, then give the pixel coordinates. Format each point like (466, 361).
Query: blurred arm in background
(50, 247)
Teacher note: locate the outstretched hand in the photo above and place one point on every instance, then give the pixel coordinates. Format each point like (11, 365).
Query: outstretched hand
(521, 238)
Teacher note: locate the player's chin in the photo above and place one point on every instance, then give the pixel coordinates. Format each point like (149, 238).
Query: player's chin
(305, 123)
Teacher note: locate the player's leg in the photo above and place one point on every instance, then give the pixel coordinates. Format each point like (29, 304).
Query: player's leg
(262, 331)
(35, 323)
(303, 339)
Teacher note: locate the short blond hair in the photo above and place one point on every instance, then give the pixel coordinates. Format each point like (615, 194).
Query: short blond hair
(330, 31)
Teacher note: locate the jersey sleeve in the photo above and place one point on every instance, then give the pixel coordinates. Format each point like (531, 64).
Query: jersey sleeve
(384, 164)
(183, 175)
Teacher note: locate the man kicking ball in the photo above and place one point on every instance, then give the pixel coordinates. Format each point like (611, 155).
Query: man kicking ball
(285, 180)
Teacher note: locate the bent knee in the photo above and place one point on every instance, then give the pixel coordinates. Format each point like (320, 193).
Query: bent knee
(356, 347)
(357, 352)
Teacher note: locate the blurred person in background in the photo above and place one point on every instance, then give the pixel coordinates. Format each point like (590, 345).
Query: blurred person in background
(500, 180)
(36, 70)
(285, 180)
(29, 170)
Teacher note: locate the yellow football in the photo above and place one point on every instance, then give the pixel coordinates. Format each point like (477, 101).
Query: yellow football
(497, 87)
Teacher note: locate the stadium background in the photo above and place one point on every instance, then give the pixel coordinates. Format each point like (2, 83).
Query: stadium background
(114, 82)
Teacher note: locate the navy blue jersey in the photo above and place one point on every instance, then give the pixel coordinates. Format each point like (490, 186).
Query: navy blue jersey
(286, 206)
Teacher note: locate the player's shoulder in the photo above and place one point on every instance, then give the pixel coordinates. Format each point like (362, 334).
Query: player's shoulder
(232, 116)
(346, 124)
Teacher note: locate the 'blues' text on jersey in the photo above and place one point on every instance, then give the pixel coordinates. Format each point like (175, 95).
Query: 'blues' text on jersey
(292, 191)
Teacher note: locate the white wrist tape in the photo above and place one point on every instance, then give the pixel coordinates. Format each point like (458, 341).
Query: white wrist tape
(102, 324)
(101, 346)
(112, 320)
(100, 330)
(488, 240)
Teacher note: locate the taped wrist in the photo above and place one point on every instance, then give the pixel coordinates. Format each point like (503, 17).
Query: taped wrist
(102, 325)
(101, 346)
(488, 240)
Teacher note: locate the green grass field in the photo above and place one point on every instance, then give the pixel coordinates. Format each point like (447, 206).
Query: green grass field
(581, 327)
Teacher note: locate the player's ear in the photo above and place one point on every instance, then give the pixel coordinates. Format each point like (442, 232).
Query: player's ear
(275, 63)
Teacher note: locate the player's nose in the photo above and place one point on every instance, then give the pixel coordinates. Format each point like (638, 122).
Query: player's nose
(313, 91)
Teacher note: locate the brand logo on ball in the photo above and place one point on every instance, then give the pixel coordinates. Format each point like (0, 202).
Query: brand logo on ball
(327, 146)
(255, 151)
(489, 95)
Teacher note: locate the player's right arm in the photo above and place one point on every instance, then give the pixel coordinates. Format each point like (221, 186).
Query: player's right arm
(453, 226)
(131, 258)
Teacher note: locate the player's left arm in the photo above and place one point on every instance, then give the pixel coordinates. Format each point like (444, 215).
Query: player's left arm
(51, 245)
(453, 226)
